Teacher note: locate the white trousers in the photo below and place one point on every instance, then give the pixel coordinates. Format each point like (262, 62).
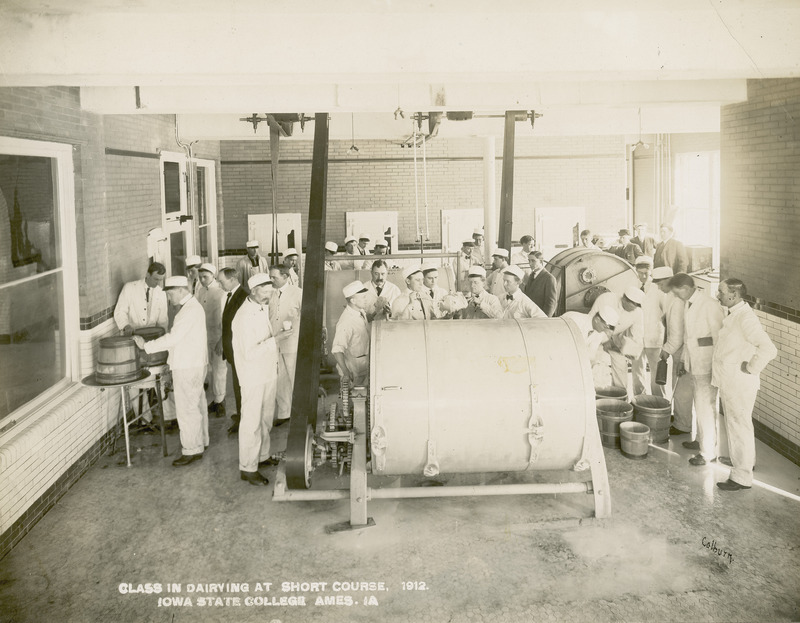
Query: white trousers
(705, 405)
(287, 366)
(191, 409)
(258, 411)
(738, 396)
(218, 374)
(619, 372)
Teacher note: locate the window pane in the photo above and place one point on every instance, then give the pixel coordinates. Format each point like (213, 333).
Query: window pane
(202, 214)
(27, 217)
(172, 187)
(177, 243)
(31, 340)
(204, 243)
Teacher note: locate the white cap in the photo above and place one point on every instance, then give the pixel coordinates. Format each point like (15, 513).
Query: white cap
(259, 279)
(289, 252)
(407, 272)
(476, 271)
(610, 315)
(252, 243)
(176, 282)
(514, 270)
(478, 231)
(643, 260)
(350, 239)
(428, 267)
(662, 272)
(500, 253)
(381, 242)
(209, 268)
(193, 260)
(634, 294)
(364, 237)
(331, 246)
(353, 288)
(468, 243)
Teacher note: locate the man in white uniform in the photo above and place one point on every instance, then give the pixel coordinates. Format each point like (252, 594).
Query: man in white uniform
(143, 303)
(351, 250)
(256, 356)
(292, 261)
(494, 281)
(596, 329)
(515, 303)
(188, 356)
(627, 341)
(467, 257)
(481, 304)
(330, 251)
(193, 272)
(477, 251)
(520, 258)
(430, 281)
(653, 311)
(742, 351)
(285, 303)
(673, 347)
(702, 320)
(212, 297)
(380, 293)
(251, 264)
(415, 303)
(351, 341)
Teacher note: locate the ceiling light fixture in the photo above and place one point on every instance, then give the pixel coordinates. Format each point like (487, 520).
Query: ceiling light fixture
(353, 151)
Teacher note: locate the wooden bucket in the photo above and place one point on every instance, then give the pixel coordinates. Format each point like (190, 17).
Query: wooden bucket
(117, 360)
(151, 359)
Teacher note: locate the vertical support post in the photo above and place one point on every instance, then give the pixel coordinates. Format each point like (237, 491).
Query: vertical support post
(274, 157)
(309, 351)
(507, 183)
(489, 199)
(358, 466)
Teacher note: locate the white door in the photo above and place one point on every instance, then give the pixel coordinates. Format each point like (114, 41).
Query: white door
(457, 226)
(290, 234)
(558, 228)
(205, 213)
(176, 220)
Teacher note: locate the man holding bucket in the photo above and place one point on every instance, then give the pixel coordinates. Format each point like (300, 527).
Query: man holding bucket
(742, 351)
(188, 357)
(143, 303)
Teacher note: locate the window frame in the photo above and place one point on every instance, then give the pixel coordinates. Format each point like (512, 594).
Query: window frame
(64, 198)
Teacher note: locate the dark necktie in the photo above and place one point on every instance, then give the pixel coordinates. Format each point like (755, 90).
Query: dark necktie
(378, 289)
(147, 295)
(254, 261)
(227, 300)
(431, 294)
(509, 297)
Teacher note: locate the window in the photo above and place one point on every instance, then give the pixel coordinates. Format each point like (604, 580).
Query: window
(38, 273)
(697, 198)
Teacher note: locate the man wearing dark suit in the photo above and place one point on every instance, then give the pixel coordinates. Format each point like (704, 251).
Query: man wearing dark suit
(625, 248)
(541, 285)
(670, 252)
(229, 280)
(646, 243)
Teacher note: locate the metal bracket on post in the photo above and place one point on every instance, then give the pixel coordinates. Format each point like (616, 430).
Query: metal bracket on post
(432, 466)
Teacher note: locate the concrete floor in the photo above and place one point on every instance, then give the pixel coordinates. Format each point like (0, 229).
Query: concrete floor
(515, 558)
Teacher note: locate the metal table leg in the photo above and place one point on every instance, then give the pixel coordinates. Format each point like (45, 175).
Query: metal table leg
(124, 403)
(163, 420)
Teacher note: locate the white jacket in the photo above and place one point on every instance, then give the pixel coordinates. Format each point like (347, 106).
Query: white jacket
(133, 309)
(702, 320)
(254, 347)
(213, 300)
(285, 304)
(741, 338)
(186, 341)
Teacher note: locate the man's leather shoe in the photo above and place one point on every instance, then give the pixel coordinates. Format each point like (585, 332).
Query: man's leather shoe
(234, 428)
(282, 422)
(677, 431)
(726, 460)
(254, 478)
(730, 485)
(185, 459)
(691, 445)
(219, 409)
(269, 462)
(698, 459)
(212, 407)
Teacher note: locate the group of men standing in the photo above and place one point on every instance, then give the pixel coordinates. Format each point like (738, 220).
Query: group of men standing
(220, 321)
(716, 346)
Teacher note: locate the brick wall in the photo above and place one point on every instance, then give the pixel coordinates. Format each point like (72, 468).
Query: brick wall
(563, 171)
(760, 192)
(117, 199)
